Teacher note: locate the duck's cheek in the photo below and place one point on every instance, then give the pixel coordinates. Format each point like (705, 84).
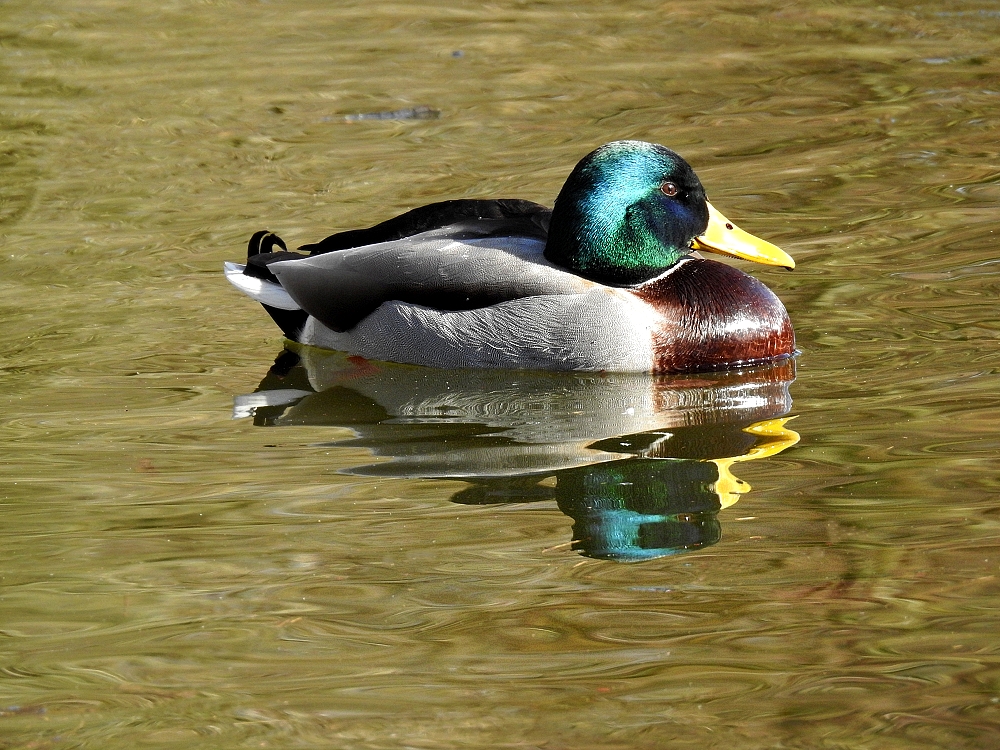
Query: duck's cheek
(680, 222)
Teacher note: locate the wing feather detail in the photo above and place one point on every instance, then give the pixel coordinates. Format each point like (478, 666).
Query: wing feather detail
(434, 269)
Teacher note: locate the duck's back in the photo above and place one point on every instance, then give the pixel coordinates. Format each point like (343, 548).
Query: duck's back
(443, 270)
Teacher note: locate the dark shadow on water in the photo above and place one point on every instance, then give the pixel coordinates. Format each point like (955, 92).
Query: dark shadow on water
(642, 464)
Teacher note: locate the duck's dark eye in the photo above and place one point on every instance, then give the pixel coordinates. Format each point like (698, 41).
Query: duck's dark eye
(669, 189)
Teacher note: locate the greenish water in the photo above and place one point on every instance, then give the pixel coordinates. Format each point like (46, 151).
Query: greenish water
(386, 559)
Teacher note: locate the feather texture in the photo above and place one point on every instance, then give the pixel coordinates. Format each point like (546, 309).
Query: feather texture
(434, 269)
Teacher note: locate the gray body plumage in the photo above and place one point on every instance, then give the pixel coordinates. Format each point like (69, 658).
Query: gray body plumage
(435, 269)
(434, 299)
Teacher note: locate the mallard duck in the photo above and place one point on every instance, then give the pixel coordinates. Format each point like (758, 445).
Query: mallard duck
(607, 280)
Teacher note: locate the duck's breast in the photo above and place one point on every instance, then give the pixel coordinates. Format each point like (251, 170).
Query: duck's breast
(713, 316)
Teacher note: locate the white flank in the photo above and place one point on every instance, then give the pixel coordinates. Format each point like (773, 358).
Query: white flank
(603, 329)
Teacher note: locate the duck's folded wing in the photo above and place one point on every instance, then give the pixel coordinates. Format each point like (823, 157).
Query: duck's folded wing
(525, 218)
(435, 269)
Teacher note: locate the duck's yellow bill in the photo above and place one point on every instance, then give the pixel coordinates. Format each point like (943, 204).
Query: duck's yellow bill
(725, 238)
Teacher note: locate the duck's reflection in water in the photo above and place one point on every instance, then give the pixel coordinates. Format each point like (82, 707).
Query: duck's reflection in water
(640, 463)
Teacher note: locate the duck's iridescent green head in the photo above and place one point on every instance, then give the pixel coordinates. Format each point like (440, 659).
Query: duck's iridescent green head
(627, 213)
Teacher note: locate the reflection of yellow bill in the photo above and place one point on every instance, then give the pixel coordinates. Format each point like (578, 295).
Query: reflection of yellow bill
(776, 437)
(725, 238)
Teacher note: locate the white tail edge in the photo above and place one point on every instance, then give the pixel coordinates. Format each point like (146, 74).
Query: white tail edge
(265, 292)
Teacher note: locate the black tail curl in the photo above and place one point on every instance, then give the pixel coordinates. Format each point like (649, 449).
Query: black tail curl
(260, 254)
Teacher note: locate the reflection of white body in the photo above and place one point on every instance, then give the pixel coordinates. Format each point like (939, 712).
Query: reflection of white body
(545, 421)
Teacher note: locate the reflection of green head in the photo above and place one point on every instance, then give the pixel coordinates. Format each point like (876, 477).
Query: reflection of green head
(638, 509)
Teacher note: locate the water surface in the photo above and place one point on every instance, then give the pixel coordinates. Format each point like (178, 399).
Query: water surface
(325, 574)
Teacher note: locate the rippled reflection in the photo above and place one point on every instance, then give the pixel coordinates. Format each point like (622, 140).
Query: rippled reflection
(641, 464)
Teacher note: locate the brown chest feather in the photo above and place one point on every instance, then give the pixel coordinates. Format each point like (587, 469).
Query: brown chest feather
(715, 316)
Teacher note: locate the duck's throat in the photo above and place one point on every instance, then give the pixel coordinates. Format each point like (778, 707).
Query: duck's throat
(622, 253)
